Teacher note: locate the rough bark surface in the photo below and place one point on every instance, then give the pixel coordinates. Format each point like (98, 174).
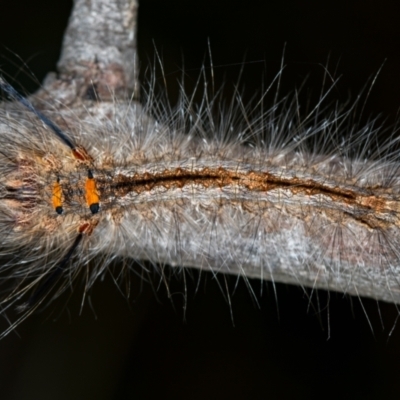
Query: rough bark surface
(98, 55)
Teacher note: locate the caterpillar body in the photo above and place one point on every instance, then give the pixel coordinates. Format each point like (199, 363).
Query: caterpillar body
(256, 193)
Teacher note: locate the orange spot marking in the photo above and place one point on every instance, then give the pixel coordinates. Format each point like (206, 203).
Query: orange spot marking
(57, 195)
(92, 195)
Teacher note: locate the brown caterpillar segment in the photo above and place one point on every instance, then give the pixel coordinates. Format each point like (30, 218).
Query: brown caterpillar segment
(356, 202)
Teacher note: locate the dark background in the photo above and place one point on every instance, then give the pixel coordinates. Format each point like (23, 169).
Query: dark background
(146, 347)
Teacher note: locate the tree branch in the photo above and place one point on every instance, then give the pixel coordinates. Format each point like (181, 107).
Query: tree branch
(99, 51)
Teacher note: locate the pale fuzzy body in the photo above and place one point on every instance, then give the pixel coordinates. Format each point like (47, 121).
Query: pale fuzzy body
(289, 232)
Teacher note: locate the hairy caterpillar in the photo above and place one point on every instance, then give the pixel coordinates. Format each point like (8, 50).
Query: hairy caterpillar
(268, 194)
(275, 341)
(280, 193)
